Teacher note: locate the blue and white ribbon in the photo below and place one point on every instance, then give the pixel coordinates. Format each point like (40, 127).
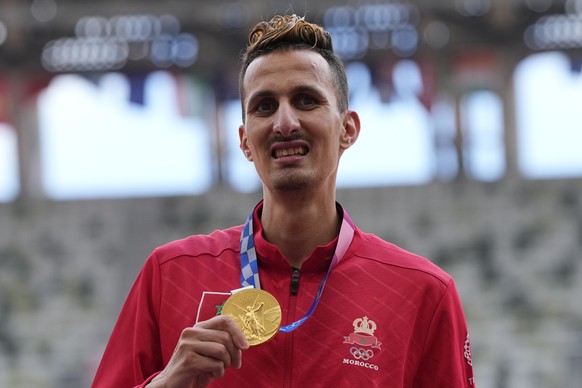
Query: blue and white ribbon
(250, 268)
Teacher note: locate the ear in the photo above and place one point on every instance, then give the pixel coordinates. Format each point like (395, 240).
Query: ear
(244, 146)
(351, 129)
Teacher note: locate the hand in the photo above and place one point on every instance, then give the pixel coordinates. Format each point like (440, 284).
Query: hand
(203, 353)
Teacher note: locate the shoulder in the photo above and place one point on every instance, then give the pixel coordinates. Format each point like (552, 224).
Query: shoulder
(212, 244)
(373, 249)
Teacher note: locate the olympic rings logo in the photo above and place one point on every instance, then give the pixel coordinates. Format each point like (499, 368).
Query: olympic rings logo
(361, 354)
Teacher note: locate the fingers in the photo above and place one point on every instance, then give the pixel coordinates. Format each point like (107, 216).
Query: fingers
(220, 338)
(213, 358)
(227, 324)
(205, 351)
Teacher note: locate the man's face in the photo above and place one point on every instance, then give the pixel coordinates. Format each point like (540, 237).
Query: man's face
(294, 132)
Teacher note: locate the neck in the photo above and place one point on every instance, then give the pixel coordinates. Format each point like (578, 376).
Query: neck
(296, 227)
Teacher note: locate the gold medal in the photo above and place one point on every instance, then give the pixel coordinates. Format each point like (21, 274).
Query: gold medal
(256, 312)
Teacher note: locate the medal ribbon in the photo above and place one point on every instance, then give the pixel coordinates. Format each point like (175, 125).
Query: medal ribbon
(250, 269)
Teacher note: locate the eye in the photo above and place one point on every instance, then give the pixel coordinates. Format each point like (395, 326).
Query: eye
(306, 101)
(265, 106)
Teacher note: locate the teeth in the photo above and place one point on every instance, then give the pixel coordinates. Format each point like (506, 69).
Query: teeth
(290, 152)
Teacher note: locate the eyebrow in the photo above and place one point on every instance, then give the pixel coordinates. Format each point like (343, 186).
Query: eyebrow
(296, 90)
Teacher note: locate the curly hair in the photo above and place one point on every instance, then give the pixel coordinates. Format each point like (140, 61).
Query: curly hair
(291, 32)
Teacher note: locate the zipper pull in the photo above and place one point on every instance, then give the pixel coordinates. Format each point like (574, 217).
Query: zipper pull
(295, 281)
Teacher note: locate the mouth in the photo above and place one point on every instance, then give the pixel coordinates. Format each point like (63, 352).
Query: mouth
(288, 152)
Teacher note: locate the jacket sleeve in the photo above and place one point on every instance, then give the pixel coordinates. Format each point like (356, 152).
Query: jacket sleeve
(133, 356)
(446, 359)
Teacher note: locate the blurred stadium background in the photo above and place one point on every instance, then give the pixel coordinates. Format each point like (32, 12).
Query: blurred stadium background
(118, 122)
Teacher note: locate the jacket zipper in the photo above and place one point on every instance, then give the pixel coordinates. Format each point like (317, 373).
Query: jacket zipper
(295, 281)
(295, 275)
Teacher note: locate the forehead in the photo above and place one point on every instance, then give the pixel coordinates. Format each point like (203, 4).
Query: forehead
(284, 68)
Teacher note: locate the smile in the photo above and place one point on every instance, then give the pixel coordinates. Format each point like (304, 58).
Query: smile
(294, 151)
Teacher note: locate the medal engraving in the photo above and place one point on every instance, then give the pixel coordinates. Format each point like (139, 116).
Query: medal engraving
(256, 312)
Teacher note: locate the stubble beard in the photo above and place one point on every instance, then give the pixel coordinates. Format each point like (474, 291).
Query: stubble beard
(292, 180)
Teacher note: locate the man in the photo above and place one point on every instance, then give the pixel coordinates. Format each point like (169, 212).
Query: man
(355, 310)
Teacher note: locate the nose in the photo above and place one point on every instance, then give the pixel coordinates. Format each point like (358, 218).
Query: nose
(286, 120)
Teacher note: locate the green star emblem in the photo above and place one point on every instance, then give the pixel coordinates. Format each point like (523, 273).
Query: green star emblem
(219, 308)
